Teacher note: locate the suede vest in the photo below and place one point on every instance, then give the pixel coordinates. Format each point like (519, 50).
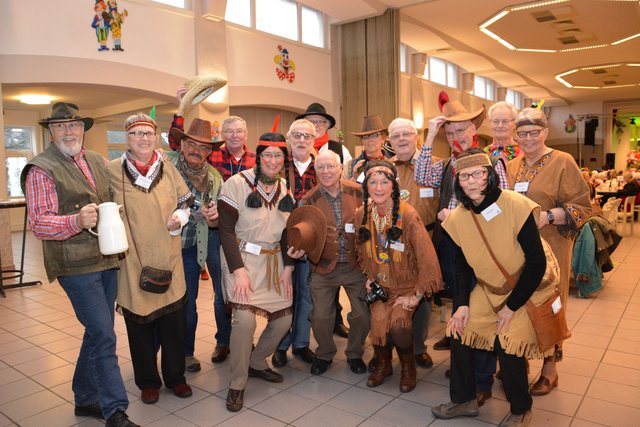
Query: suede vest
(351, 200)
(80, 254)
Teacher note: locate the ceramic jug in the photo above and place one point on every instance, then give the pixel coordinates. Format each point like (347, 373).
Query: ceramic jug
(112, 236)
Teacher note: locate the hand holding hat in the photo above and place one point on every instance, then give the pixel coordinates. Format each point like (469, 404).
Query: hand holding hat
(307, 230)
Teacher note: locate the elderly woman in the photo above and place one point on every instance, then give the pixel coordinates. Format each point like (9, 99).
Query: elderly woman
(493, 315)
(372, 134)
(256, 266)
(401, 265)
(152, 192)
(550, 178)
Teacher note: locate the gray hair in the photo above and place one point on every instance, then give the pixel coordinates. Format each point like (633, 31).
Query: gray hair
(304, 122)
(532, 116)
(503, 104)
(402, 120)
(139, 117)
(231, 119)
(330, 153)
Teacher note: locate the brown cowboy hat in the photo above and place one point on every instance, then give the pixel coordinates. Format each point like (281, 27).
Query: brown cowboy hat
(371, 124)
(316, 109)
(307, 229)
(454, 111)
(66, 112)
(200, 130)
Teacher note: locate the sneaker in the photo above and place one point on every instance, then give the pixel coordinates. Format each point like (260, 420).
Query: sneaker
(513, 420)
(191, 364)
(453, 410)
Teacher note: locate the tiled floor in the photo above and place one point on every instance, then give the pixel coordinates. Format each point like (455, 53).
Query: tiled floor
(599, 378)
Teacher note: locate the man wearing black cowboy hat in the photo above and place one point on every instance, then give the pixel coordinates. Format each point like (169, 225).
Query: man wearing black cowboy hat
(204, 182)
(63, 186)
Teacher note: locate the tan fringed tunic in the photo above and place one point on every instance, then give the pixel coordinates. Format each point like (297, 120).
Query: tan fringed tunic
(412, 268)
(492, 292)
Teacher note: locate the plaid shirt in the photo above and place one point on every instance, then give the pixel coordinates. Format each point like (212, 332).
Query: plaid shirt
(305, 182)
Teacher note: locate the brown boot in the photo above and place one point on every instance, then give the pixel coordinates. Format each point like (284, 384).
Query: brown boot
(408, 365)
(383, 368)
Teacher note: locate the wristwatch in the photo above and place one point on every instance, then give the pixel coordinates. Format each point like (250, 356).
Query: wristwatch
(550, 217)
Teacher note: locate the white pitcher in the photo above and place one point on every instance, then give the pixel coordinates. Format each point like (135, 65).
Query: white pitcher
(112, 236)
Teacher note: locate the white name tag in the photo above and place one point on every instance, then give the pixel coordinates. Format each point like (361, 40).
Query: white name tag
(426, 193)
(349, 228)
(556, 305)
(143, 182)
(252, 248)
(360, 178)
(491, 212)
(397, 246)
(521, 187)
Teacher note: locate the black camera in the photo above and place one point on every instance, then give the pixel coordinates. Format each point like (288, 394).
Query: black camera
(377, 293)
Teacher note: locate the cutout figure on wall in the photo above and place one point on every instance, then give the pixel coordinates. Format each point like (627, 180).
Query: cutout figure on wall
(570, 124)
(107, 19)
(115, 20)
(285, 67)
(101, 24)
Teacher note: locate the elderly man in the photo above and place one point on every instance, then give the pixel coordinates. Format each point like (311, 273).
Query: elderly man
(502, 120)
(204, 182)
(338, 200)
(302, 176)
(63, 186)
(372, 134)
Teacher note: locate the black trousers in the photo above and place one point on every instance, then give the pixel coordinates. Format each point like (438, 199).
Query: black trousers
(168, 331)
(514, 376)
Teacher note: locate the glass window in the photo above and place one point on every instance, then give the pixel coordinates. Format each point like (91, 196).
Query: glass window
(239, 12)
(312, 27)
(15, 164)
(437, 70)
(403, 58)
(279, 17)
(175, 3)
(479, 87)
(18, 138)
(19, 144)
(117, 137)
(491, 93)
(452, 75)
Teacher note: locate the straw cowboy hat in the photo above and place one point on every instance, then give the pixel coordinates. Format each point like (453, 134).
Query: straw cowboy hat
(370, 125)
(200, 130)
(307, 229)
(454, 111)
(66, 112)
(198, 89)
(316, 109)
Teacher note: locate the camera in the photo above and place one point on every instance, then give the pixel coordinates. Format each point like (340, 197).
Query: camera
(377, 293)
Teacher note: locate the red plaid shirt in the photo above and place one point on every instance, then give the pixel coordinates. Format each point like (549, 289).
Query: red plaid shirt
(305, 182)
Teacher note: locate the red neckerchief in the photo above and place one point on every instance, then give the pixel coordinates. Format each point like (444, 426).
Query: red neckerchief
(142, 167)
(321, 141)
(457, 148)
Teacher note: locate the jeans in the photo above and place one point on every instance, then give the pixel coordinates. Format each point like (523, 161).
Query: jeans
(97, 377)
(192, 277)
(223, 320)
(298, 337)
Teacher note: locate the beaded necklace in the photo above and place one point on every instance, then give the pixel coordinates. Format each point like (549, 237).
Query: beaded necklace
(529, 175)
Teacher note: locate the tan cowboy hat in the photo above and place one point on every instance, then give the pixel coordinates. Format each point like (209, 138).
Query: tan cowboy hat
(200, 130)
(66, 112)
(454, 111)
(307, 229)
(371, 124)
(198, 89)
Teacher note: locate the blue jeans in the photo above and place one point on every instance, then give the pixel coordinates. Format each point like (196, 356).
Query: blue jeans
(298, 337)
(192, 278)
(97, 377)
(223, 320)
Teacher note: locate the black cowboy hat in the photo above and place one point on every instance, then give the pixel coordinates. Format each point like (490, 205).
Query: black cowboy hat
(66, 112)
(316, 109)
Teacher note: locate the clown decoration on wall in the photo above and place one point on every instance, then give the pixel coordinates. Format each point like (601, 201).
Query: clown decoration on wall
(285, 67)
(570, 124)
(107, 19)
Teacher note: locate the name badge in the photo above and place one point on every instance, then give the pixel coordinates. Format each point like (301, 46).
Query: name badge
(556, 305)
(426, 193)
(397, 246)
(491, 212)
(143, 181)
(349, 228)
(252, 248)
(521, 187)
(360, 178)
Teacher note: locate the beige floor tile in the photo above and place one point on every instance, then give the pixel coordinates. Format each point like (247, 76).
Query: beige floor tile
(577, 366)
(25, 355)
(615, 393)
(630, 324)
(319, 388)
(52, 336)
(542, 418)
(33, 404)
(627, 334)
(297, 406)
(18, 389)
(359, 401)
(594, 329)
(577, 422)
(621, 359)
(618, 374)
(9, 375)
(42, 364)
(401, 412)
(625, 346)
(207, 412)
(572, 383)
(319, 416)
(608, 413)
(584, 352)
(589, 339)
(54, 377)
(171, 421)
(559, 402)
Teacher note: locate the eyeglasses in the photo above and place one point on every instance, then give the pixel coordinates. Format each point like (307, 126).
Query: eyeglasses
(402, 135)
(533, 133)
(196, 146)
(140, 134)
(319, 122)
(329, 167)
(233, 132)
(68, 125)
(269, 156)
(502, 122)
(457, 132)
(477, 175)
(371, 136)
(301, 135)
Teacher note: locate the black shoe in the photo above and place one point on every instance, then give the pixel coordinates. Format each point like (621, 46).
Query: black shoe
(341, 330)
(447, 373)
(424, 360)
(443, 344)
(89, 411)
(120, 419)
(319, 366)
(305, 353)
(357, 366)
(266, 374)
(279, 358)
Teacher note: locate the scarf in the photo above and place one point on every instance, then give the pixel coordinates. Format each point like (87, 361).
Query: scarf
(321, 141)
(199, 177)
(142, 167)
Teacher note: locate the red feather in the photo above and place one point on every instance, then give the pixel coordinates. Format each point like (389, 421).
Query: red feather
(443, 98)
(275, 123)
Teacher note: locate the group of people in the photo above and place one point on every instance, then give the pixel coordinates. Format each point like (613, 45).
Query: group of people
(281, 229)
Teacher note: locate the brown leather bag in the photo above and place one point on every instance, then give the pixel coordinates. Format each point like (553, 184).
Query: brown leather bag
(551, 328)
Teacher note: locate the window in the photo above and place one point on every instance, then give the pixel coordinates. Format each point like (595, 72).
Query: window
(515, 98)
(312, 27)
(175, 3)
(239, 12)
(279, 17)
(403, 59)
(452, 75)
(437, 70)
(491, 92)
(479, 87)
(19, 144)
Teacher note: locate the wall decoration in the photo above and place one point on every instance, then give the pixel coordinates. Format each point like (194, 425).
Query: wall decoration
(215, 131)
(570, 124)
(285, 67)
(101, 24)
(115, 20)
(107, 19)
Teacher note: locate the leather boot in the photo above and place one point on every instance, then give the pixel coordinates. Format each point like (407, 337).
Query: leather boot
(383, 368)
(408, 365)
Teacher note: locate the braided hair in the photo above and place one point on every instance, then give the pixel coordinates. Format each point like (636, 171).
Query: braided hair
(394, 232)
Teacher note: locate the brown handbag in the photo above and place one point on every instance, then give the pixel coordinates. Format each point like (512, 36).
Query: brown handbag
(551, 328)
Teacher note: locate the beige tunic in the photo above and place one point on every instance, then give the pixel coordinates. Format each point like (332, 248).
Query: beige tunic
(148, 214)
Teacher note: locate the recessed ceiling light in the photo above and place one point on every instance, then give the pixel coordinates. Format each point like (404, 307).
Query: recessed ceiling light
(35, 99)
